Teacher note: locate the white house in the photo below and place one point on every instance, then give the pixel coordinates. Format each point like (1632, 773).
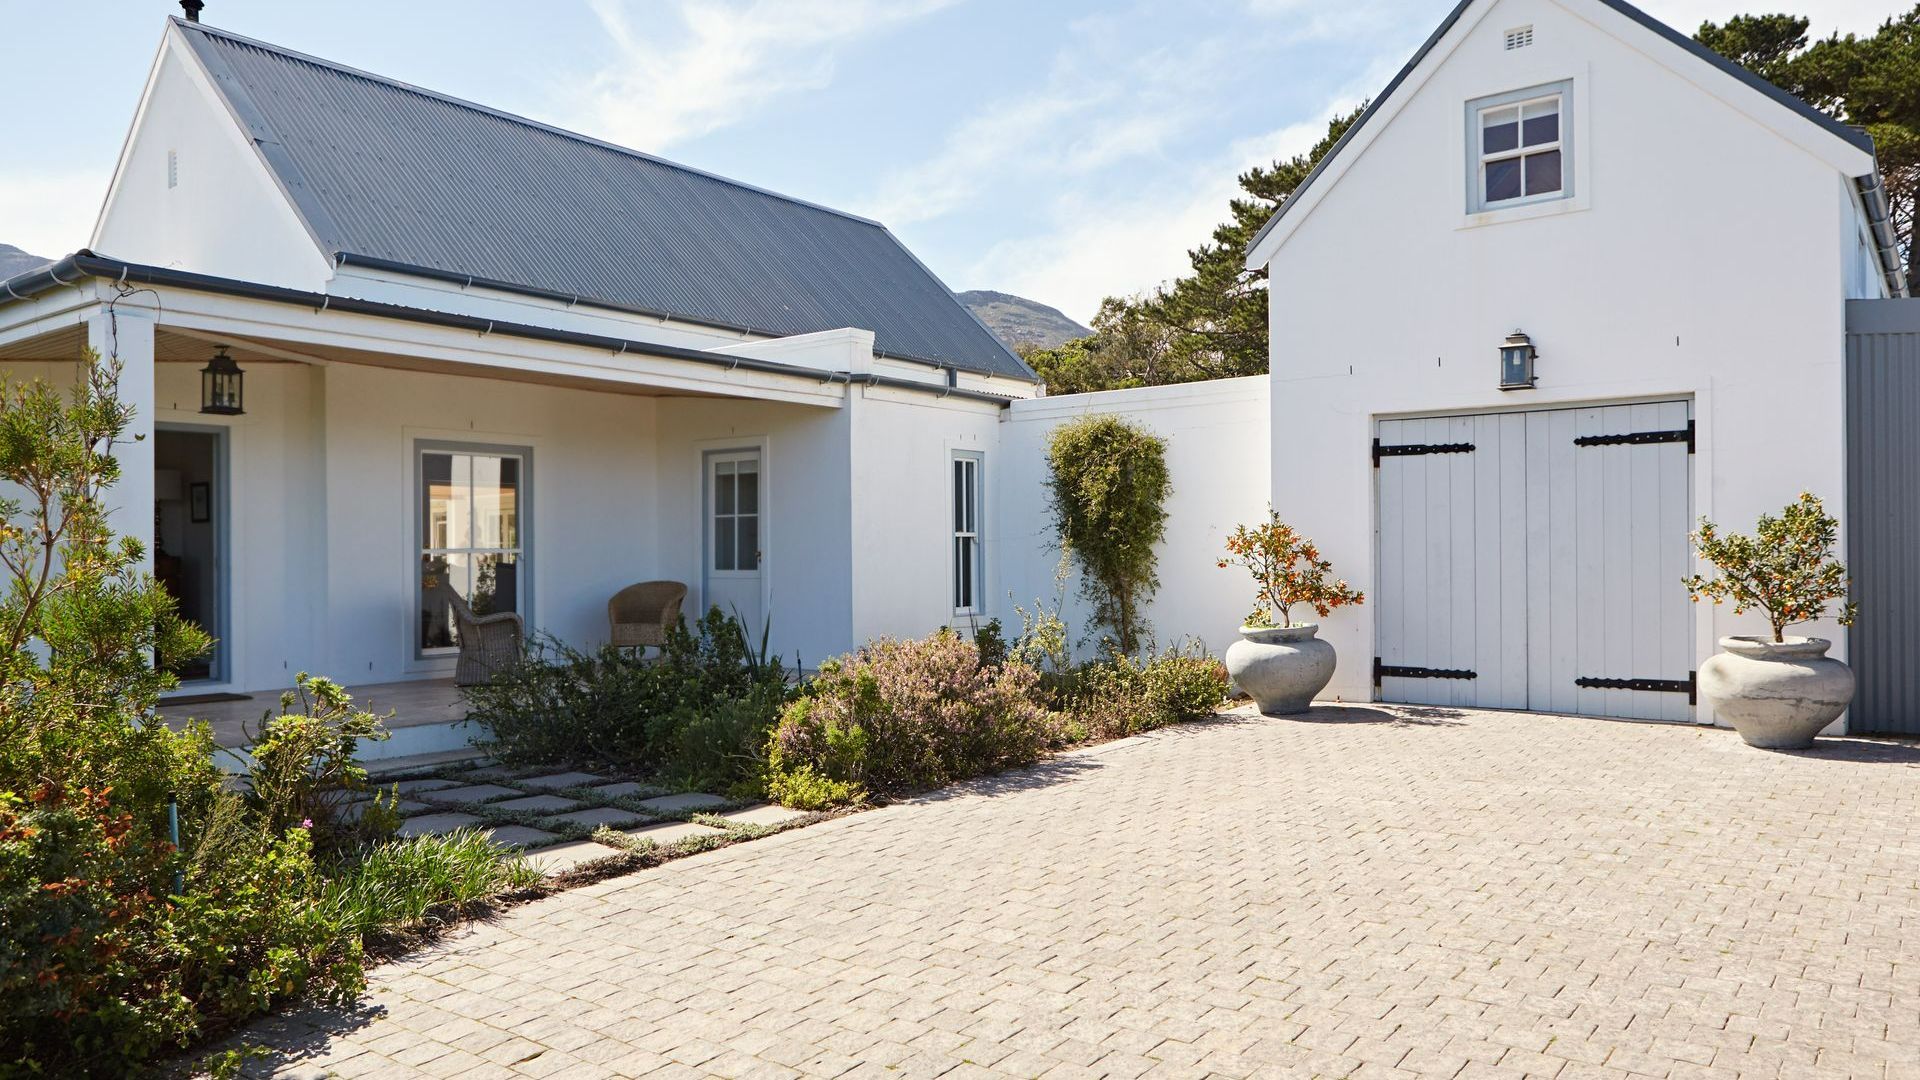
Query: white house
(486, 357)
(1677, 239)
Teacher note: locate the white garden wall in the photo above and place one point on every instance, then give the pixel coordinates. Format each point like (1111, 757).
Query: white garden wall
(1216, 434)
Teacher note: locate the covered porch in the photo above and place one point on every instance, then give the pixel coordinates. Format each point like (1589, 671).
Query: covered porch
(409, 708)
(385, 463)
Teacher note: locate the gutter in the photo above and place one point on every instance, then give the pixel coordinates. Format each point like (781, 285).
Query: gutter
(1873, 197)
(372, 262)
(85, 264)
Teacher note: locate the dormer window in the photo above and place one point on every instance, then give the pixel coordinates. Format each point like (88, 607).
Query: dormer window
(1521, 145)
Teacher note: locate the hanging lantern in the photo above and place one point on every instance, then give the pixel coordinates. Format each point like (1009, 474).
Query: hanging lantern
(220, 386)
(1516, 362)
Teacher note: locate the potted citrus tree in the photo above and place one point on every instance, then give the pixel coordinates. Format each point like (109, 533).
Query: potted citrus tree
(1280, 663)
(1777, 691)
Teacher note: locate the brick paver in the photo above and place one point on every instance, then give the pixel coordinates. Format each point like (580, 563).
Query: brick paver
(1368, 893)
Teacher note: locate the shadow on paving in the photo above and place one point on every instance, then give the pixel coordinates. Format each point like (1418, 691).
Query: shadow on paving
(285, 1042)
(1403, 715)
(1865, 751)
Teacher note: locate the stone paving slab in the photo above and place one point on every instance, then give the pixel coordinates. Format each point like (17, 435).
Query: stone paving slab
(765, 814)
(537, 803)
(596, 816)
(435, 824)
(556, 781)
(623, 789)
(519, 835)
(672, 832)
(428, 783)
(563, 857)
(691, 800)
(1362, 892)
(473, 793)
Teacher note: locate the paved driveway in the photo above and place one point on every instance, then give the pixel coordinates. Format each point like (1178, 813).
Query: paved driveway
(1366, 894)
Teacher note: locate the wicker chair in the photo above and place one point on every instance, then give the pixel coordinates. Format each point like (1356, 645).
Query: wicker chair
(488, 643)
(641, 614)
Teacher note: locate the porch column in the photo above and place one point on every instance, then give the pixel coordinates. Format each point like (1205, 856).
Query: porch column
(128, 335)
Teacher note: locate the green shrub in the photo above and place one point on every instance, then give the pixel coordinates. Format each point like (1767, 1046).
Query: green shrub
(700, 711)
(901, 716)
(1108, 486)
(398, 889)
(1185, 686)
(303, 771)
(1120, 696)
(106, 963)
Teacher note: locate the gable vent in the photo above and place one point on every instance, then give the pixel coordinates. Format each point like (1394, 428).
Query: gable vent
(1519, 37)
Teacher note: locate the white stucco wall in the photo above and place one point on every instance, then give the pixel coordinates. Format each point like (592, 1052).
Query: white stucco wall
(805, 513)
(1216, 434)
(902, 506)
(222, 214)
(1702, 259)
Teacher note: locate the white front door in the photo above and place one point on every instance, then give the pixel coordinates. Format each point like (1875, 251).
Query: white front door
(1534, 559)
(735, 501)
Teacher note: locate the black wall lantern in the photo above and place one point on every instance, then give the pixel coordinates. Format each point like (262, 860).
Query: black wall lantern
(220, 385)
(1516, 362)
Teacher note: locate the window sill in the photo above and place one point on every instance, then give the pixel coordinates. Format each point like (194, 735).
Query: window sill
(1523, 212)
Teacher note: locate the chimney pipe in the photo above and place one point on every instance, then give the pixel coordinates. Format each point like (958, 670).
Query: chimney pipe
(192, 8)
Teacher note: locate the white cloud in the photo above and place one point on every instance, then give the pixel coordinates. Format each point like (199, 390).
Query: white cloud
(50, 213)
(1102, 248)
(727, 59)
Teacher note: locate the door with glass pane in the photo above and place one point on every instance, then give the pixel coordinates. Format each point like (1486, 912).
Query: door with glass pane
(735, 509)
(472, 538)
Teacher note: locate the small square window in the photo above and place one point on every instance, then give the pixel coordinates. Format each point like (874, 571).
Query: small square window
(1520, 145)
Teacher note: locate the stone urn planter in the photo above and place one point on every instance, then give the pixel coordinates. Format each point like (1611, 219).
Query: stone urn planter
(1777, 695)
(1281, 667)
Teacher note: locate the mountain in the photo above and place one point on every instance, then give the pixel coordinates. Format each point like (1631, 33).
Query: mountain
(14, 261)
(1023, 324)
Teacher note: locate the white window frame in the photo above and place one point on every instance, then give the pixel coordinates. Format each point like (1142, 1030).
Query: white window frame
(523, 553)
(968, 515)
(1477, 159)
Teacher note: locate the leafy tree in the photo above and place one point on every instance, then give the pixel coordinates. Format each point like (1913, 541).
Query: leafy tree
(1210, 323)
(1873, 82)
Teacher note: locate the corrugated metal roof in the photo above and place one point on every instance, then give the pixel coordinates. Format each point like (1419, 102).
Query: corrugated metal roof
(383, 169)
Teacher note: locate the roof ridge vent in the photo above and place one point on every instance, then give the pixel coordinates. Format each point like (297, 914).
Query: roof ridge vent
(1519, 37)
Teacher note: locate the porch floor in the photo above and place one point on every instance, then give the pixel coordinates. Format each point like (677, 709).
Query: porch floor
(414, 703)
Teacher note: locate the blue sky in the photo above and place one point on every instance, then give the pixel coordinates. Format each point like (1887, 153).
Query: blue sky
(1060, 149)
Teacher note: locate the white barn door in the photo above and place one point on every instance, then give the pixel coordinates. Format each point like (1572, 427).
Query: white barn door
(1533, 560)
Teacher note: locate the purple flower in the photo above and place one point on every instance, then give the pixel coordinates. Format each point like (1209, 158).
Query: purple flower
(306, 823)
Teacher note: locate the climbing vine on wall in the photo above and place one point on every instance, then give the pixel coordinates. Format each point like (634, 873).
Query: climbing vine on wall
(1108, 489)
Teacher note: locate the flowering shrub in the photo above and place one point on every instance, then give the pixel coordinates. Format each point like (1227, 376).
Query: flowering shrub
(1287, 570)
(900, 716)
(1785, 569)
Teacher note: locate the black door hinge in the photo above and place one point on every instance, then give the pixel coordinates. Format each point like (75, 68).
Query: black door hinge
(1411, 449)
(1391, 671)
(1688, 686)
(1641, 438)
